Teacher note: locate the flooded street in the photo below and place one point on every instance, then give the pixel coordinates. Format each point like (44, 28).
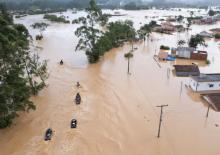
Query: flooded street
(118, 114)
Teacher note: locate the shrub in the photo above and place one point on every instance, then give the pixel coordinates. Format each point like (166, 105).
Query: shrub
(162, 47)
(128, 55)
(217, 36)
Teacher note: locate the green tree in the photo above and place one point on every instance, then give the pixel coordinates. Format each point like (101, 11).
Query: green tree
(211, 13)
(196, 40)
(181, 42)
(22, 74)
(191, 14)
(180, 18)
(88, 34)
(146, 30)
(128, 56)
(42, 27)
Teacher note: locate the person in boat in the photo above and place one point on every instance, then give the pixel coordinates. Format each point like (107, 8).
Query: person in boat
(61, 62)
(48, 134)
(78, 98)
(73, 123)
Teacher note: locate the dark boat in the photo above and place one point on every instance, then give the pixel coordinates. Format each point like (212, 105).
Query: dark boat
(73, 123)
(48, 134)
(78, 99)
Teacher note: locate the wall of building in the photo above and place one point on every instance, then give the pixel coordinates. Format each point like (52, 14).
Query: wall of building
(199, 56)
(204, 86)
(183, 54)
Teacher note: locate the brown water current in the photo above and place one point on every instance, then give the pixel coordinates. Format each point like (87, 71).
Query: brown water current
(118, 114)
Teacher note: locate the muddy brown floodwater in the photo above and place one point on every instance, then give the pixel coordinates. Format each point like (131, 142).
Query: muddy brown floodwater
(118, 114)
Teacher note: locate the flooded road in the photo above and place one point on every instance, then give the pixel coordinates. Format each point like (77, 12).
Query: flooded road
(118, 114)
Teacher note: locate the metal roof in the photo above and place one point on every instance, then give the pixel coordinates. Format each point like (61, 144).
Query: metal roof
(207, 77)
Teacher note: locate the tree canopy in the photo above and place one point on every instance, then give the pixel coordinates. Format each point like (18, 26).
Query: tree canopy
(22, 74)
(196, 40)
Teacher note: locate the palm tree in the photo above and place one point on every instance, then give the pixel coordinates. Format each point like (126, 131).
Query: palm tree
(181, 42)
(128, 56)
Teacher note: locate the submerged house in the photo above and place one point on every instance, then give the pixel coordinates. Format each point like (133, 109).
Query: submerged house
(205, 21)
(186, 70)
(189, 53)
(184, 52)
(205, 82)
(168, 26)
(163, 55)
(205, 34)
(199, 55)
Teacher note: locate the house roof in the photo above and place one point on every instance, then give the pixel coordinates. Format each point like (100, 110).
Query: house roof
(191, 49)
(207, 77)
(213, 100)
(205, 34)
(187, 68)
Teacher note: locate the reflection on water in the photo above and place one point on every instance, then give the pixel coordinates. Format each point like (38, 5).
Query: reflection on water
(118, 114)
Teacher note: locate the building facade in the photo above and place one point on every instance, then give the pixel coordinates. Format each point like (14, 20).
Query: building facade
(205, 82)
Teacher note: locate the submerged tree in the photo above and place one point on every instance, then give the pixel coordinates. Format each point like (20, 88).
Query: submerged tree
(88, 34)
(22, 74)
(145, 31)
(197, 40)
(211, 13)
(42, 27)
(128, 56)
(180, 18)
(181, 42)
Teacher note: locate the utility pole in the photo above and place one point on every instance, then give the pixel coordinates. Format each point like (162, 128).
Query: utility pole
(207, 114)
(128, 64)
(181, 88)
(161, 115)
(168, 73)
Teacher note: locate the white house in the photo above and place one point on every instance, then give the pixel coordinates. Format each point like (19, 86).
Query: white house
(184, 52)
(205, 82)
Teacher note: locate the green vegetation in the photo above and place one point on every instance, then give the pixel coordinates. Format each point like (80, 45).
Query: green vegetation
(134, 6)
(181, 42)
(180, 18)
(217, 36)
(54, 18)
(145, 31)
(162, 47)
(196, 40)
(117, 33)
(96, 42)
(88, 34)
(20, 16)
(22, 73)
(42, 27)
(207, 62)
(212, 12)
(128, 56)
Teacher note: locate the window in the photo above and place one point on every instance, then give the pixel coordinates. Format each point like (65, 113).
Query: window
(211, 85)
